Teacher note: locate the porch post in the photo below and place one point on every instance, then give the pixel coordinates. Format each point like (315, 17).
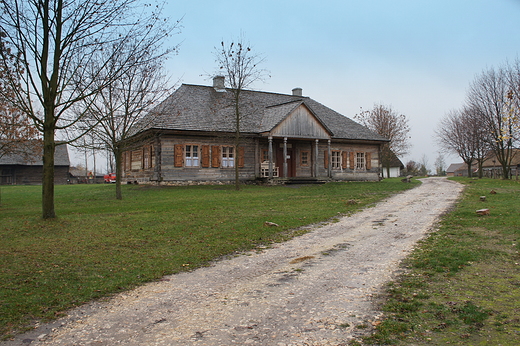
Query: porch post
(285, 157)
(270, 155)
(316, 157)
(329, 170)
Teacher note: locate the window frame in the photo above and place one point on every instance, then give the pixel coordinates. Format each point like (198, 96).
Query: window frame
(227, 161)
(360, 161)
(335, 159)
(305, 162)
(192, 161)
(265, 155)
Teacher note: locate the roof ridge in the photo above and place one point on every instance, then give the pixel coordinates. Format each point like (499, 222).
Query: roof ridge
(285, 103)
(249, 90)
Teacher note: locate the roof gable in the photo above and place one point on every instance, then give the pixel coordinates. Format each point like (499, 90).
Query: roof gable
(299, 122)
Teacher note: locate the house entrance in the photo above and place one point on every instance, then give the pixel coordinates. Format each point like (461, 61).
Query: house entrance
(291, 162)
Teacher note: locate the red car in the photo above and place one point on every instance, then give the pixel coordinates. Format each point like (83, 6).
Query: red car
(110, 178)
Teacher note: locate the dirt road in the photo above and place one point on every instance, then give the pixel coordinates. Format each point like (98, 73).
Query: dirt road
(316, 289)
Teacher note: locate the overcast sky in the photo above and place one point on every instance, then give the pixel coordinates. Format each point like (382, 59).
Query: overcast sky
(417, 56)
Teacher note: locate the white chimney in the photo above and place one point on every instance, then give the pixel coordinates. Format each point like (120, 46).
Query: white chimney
(218, 83)
(297, 92)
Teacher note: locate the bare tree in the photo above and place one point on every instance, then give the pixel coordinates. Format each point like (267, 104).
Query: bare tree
(478, 136)
(440, 165)
(388, 123)
(239, 65)
(424, 170)
(412, 168)
(119, 109)
(454, 136)
(57, 41)
(492, 97)
(17, 132)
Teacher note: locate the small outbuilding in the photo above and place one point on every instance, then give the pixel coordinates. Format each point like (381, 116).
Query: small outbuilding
(27, 168)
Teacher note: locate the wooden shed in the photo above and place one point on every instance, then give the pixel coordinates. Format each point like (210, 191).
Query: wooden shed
(27, 168)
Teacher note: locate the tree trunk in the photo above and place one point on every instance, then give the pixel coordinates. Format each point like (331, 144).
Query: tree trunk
(48, 173)
(480, 172)
(118, 155)
(470, 172)
(505, 170)
(237, 140)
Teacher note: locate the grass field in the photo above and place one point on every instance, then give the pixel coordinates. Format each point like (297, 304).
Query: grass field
(462, 284)
(98, 245)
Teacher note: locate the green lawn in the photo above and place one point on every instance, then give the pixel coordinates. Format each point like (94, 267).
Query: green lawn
(462, 285)
(98, 245)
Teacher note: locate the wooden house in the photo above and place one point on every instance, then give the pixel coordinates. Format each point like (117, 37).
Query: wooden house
(27, 168)
(189, 138)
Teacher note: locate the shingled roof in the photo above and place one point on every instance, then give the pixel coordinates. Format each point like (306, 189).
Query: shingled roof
(34, 157)
(203, 108)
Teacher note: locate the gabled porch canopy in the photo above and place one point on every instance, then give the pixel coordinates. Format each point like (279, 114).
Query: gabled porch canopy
(293, 120)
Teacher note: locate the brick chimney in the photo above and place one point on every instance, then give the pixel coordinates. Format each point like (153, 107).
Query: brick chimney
(297, 92)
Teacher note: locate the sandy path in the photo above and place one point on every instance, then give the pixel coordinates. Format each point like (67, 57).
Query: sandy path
(312, 290)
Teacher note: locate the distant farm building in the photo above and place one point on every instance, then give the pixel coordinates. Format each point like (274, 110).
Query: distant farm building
(27, 168)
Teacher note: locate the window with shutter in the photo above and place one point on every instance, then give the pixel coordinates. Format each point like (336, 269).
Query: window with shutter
(360, 161)
(336, 159)
(352, 159)
(191, 155)
(368, 157)
(228, 157)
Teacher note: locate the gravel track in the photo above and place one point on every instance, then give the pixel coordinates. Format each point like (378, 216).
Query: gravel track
(316, 289)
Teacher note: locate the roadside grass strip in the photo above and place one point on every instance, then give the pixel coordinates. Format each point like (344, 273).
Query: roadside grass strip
(461, 285)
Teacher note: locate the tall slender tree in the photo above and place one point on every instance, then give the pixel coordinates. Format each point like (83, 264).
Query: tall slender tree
(239, 65)
(56, 42)
(119, 109)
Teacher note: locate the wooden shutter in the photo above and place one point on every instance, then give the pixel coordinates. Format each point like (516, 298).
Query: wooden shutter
(215, 156)
(344, 159)
(240, 157)
(352, 160)
(150, 156)
(368, 158)
(326, 159)
(178, 155)
(143, 153)
(129, 155)
(205, 156)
